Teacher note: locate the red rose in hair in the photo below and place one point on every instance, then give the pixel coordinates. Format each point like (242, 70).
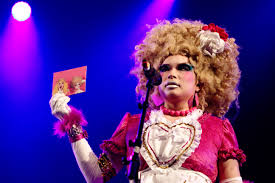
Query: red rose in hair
(223, 35)
(214, 28)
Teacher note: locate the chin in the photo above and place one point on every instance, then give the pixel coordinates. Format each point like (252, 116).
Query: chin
(175, 96)
(171, 96)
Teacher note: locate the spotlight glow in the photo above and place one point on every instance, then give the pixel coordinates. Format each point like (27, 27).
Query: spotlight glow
(21, 11)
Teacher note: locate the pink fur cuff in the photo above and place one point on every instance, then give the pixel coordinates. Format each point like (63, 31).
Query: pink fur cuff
(75, 117)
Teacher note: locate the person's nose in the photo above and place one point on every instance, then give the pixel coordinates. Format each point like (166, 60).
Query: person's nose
(172, 74)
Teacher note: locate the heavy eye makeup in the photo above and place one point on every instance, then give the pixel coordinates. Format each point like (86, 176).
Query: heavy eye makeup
(180, 67)
(164, 68)
(185, 67)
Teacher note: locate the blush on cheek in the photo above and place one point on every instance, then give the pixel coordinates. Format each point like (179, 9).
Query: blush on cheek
(189, 77)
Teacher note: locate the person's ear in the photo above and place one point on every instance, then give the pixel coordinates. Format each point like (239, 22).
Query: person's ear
(197, 88)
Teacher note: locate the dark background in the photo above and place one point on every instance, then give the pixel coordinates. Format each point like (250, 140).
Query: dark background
(102, 34)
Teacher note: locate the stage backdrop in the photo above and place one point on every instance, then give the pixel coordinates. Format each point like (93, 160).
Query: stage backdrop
(101, 35)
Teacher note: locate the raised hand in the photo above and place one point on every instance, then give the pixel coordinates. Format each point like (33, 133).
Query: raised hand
(59, 105)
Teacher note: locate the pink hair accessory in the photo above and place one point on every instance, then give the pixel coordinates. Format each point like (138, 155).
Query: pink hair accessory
(176, 113)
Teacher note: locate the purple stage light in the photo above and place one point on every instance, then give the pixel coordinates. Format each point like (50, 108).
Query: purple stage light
(21, 11)
(20, 58)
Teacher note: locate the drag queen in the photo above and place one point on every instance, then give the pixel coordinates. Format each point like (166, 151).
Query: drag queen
(185, 137)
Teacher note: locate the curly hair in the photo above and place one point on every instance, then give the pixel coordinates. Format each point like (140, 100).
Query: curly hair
(217, 77)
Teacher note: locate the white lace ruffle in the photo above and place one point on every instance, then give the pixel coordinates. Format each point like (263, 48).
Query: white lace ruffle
(166, 145)
(180, 175)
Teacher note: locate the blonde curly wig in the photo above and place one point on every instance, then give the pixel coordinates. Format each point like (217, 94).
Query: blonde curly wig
(217, 77)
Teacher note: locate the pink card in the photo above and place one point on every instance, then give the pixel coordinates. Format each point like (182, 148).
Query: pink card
(70, 82)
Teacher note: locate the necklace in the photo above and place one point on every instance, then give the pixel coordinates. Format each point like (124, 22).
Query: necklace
(171, 112)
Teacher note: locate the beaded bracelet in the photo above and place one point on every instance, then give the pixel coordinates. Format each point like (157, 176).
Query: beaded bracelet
(106, 167)
(76, 133)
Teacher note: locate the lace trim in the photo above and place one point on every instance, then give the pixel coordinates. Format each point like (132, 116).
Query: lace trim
(234, 153)
(190, 120)
(180, 175)
(234, 180)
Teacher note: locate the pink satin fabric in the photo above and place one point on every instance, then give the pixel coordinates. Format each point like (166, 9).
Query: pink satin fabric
(218, 142)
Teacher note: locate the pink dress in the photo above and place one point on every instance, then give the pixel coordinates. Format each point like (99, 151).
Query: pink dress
(205, 140)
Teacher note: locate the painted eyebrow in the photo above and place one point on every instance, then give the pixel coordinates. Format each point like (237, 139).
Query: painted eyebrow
(180, 64)
(185, 64)
(190, 67)
(164, 65)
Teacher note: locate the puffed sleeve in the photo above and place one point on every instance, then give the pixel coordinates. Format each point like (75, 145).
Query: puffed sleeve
(229, 148)
(116, 145)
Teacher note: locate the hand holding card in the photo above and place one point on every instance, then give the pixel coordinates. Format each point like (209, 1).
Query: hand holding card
(59, 105)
